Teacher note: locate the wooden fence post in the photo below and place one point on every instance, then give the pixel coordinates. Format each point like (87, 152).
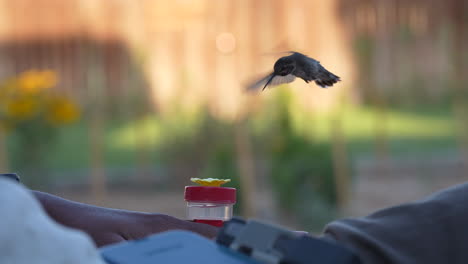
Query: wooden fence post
(340, 157)
(460, 93)
(96, 131)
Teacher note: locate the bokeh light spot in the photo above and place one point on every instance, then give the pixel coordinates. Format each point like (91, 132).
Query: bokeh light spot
(225, 42)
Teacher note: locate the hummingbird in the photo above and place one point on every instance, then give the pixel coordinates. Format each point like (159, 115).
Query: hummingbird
(287, 68)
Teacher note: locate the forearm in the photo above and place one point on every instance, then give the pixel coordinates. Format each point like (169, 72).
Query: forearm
(71, 213)
(108, 225)
(84, 217)
(68, 212)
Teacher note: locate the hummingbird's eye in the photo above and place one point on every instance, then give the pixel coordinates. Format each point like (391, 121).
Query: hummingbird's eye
(285, 70)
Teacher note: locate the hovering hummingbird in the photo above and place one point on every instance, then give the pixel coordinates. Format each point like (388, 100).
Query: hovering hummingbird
(287, 68)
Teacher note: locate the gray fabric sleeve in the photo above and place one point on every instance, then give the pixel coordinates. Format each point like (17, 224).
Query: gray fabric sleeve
(429, 231)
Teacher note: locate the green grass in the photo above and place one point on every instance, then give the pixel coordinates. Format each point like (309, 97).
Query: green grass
(416, 131)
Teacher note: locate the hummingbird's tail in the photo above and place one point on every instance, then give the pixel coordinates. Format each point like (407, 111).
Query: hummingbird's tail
(325, 78)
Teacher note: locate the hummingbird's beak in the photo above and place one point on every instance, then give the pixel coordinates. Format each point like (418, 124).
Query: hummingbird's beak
(269, 80)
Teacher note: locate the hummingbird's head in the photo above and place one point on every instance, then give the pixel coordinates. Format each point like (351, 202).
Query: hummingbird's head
(284, 66)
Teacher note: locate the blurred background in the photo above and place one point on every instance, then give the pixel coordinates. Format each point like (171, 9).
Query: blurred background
(119, 103)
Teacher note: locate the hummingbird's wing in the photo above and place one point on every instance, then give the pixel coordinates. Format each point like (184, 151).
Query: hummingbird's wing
(271, 80)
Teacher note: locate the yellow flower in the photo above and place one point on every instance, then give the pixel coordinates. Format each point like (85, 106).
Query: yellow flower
(33, 81)
(21, 108)
(61, 111)
(210, 181)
